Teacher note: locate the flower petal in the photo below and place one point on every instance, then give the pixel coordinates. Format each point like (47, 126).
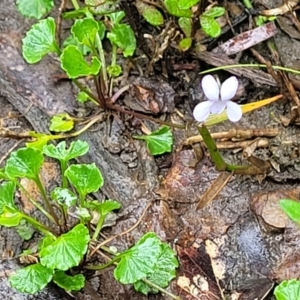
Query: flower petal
(202, 110)
(234, 111)
(210, 88)
(229, 88)
(217, 107)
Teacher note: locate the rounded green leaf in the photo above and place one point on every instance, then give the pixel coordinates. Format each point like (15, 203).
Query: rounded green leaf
(60, 152)
(39, 41)
(67, 250)
(61, 123)
(185, 44)
(63, 197)
(151, 14)
(10, 217)
(173, 8)
(164, 271)
(185, 25)
(26, 162)
(74, 64)
(114, 71)
(31, 279)
(69, 283)
(86, 178)
(138, 261)
(159, 141)
(123, 36)
(85, 30)
(34, 8)
(288, 290)
(210, 26)
(215, 12)
(185, 4)
(7, 194)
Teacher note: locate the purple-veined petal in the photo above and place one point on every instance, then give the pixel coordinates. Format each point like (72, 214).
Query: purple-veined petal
(229, 88)
(210, 88)
(234, 111)
(217, 107)
(202, 110)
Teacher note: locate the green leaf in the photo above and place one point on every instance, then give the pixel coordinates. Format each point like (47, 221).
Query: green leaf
(288, 290)
(210, 26)
(68, 249)
(185, 44)
(173, 8)
(25, 230)
(185, 25)
(85, 30)
(41, 140)
(151, 14)
(83, 214)
(116, 17)
(69, 283)
(61, 123)
(163, 273)
(114, 71)
(45, 242)
(291, 208)
(31, 279)
(7, 195)
(34, 8)
(60, 152)
(215, 12)
(26, 162)
(100, 7)
(104, 208)
(76, 14)
(39, 41)
(159, 141)
(185, 4)
(137, 262)
(64, 197)
(73, 63)
(86, 178)
(123, 36)
(10, 216)
(73, 41)
(83, 97)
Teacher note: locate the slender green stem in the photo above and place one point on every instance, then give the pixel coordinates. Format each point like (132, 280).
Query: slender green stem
(113, 63)
(63, 167)
(150, 283)
(41, 227)
(102, 58)
(85, 90)
(251, 66)
(216, 156)
(75, 4)
(212, 148)
(101, 267)
(99, 226)
(44, 195)
(248, 4)
(82, 200)
(37, 205)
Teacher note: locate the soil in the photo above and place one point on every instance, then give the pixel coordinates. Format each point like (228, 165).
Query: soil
(229, 245)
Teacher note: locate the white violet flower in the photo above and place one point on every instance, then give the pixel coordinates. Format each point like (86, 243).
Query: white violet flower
(218, 99)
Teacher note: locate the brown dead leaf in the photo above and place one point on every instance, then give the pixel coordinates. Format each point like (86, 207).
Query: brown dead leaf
(181, 182)
(266, 206)
(215, 188)
(196, 279)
